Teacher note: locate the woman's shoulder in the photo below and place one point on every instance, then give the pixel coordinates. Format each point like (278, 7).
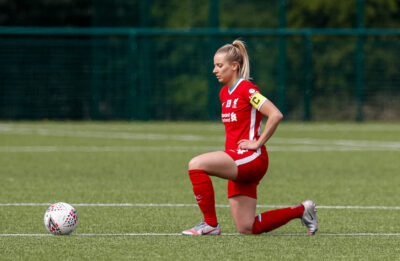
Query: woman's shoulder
(224, 89)
(248, 85)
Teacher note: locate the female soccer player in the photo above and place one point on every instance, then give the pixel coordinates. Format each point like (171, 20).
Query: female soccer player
(245, 160)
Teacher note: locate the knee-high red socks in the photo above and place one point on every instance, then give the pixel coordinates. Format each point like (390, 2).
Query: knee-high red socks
(204, 193)
(273, 219)
(264, 222)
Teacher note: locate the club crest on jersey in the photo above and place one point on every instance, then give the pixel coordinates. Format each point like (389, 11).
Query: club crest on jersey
(235, 101)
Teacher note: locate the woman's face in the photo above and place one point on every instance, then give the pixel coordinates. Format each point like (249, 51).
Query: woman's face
(224, 70)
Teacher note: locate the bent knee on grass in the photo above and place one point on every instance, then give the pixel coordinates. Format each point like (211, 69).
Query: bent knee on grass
(244, 226)
(245, 230)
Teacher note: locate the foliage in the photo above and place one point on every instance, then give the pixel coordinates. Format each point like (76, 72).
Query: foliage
(194, 13)
(342, 14)
(169, 65)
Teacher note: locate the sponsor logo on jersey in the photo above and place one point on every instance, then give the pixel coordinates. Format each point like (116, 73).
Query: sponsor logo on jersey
(233, 117)
(228, 103)
(229, 117)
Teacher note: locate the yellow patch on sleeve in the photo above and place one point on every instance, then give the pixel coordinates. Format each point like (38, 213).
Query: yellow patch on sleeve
(257, 100)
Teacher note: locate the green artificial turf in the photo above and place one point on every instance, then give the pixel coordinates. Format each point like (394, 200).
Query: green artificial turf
(334, 164)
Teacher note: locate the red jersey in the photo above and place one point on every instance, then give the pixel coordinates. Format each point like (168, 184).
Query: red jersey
(241, 119)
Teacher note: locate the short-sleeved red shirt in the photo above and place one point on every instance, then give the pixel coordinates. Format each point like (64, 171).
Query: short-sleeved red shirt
(241, 119)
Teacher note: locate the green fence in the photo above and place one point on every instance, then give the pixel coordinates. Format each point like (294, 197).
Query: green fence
(164, 74)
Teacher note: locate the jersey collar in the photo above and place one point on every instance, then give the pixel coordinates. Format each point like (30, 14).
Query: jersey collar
(236, 85)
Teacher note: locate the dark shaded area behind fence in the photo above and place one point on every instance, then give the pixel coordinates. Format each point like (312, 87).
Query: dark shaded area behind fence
(161, 74)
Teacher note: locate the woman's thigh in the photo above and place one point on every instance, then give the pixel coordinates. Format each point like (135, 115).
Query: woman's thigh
(216, 163)
(243, 209)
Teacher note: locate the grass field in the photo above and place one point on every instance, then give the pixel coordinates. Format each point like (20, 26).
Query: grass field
(129, 183)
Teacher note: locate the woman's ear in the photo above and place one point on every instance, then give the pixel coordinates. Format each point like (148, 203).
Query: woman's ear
(235, 66)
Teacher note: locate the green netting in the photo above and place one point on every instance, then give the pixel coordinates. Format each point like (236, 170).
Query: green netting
(43, 77)
(382, 79)
(169, 76)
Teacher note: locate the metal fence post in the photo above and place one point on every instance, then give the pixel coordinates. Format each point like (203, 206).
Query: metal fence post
(95, 81)
(213, 101)
(131, 100)
(95, 66)
(307, 59)
(144, 64)
(281, 88)
(360, 61)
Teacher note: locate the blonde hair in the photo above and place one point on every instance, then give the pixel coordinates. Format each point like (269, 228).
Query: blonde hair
(236, 52)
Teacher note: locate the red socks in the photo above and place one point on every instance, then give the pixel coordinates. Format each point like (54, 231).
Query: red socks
(265, 222)
(273, 219)
(204, 193)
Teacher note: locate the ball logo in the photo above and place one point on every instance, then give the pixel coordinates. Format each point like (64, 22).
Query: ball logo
(252, 91)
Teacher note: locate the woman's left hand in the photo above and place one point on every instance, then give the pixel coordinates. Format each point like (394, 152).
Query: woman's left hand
(248, 145)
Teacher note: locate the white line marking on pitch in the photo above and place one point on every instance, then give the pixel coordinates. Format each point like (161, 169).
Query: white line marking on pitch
(106, 148)
(367, 144)
(192, 205)
(273, 148)
(177, 234)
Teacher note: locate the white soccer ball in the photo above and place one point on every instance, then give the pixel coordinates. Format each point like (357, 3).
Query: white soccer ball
(60, 219)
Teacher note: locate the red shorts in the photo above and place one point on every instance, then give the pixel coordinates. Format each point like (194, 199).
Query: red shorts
(252, 166)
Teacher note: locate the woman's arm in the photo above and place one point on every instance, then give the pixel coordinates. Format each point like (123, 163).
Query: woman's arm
(274, 117)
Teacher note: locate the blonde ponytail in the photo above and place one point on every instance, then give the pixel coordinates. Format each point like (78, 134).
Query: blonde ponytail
(236, 52)
(244, 70)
